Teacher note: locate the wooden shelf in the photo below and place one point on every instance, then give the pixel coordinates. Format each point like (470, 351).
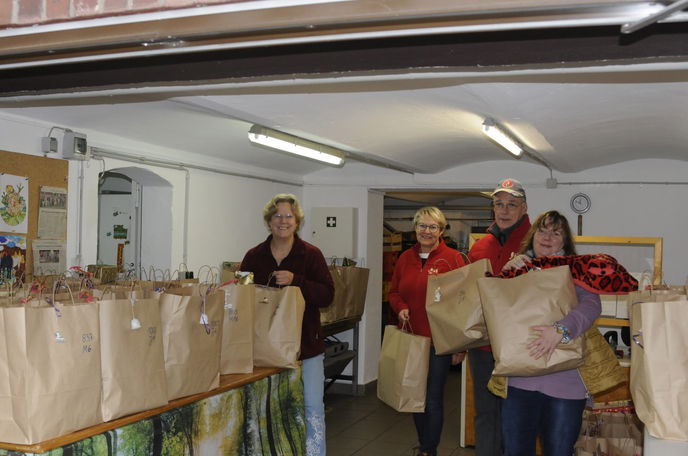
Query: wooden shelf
(611, 321)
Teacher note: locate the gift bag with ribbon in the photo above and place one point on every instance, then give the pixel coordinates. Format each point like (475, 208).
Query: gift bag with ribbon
(512, 306)
(403, 370)
(237, 330)
(659, 362)
(278, 316)
(454, 310)
(191, 319)
(132, 360)
(350, 288)
(50, 381)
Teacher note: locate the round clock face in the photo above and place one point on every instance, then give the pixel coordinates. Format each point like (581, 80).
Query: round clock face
(580, 203)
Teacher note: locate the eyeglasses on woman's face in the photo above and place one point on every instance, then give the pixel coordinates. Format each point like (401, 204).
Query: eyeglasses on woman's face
(281, 217)
(424, 227)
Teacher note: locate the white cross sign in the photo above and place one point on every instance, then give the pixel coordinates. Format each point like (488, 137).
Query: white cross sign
(331, 222)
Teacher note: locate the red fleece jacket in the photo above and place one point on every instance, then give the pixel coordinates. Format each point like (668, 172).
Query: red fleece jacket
(410, 282)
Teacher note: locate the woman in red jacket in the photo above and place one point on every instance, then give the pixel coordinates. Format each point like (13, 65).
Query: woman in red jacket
(430, 255)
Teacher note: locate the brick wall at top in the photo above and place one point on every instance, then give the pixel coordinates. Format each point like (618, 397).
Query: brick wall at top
(18, 13)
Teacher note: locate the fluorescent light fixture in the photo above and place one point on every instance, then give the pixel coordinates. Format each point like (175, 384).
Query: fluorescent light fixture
(501, 137)
(283, 142)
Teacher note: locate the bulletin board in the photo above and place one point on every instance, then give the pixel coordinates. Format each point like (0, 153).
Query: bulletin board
(41, 172)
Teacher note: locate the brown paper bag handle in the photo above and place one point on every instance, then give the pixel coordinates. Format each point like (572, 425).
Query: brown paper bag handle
(270, 277)
(637, 338)
(210, 276)
(407, 323)
(204, 316)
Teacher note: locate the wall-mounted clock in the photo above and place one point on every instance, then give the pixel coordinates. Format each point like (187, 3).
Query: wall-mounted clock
(580, 203)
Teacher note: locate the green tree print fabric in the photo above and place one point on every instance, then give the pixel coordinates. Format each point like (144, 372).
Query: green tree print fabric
(265, 417)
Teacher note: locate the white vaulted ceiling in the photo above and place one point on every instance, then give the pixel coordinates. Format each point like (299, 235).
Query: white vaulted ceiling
(574, 115)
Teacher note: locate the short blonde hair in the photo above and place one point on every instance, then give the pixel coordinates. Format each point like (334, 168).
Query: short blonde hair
(271, 208)
(434, 213)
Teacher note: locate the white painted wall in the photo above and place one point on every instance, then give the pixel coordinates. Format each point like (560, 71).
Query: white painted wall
(369, 253)
(620, 207)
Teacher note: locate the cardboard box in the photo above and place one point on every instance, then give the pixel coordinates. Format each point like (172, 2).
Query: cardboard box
(392, 242)
(104, 272)
(228, 270)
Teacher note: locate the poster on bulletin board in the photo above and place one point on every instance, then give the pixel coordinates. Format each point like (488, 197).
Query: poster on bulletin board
(52, 213)
(14, 203)
(12, 259)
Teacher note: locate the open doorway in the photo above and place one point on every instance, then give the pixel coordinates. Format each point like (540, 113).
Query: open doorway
(119, 222)
(134, 221)
(466, 212)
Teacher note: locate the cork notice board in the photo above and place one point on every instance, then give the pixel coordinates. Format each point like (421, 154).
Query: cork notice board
(41, 172)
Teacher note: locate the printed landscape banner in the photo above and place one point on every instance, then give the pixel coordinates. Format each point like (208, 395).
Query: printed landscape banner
(261, 418)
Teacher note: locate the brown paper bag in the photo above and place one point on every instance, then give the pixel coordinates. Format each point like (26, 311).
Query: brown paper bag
(337, 308)
(512, 306)
(659, 376)
(403, 370)
(350, 288)
(236, 356)
(191, 319)
(50, 381)
(600, 369)
(278, 318)
(454, 311)
(132, 364)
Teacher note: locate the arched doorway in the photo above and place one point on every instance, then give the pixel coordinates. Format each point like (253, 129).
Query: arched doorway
(134, 220)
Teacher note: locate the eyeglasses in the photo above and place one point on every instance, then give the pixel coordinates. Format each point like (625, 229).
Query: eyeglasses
(281, 217)
(431, 228)
(508, 206)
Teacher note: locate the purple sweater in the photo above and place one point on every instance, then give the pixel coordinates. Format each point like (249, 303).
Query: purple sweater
(566, 384)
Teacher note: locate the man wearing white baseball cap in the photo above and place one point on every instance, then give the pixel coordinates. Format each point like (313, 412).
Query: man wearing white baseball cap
(503, 239)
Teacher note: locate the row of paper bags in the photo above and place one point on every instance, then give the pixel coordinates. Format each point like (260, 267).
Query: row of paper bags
(464, 307)
(67, 365)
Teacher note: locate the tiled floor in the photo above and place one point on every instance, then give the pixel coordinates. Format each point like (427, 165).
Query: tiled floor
(364, 426)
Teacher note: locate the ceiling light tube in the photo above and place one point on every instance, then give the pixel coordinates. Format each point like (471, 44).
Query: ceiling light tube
(283, 142)
(501, 137)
